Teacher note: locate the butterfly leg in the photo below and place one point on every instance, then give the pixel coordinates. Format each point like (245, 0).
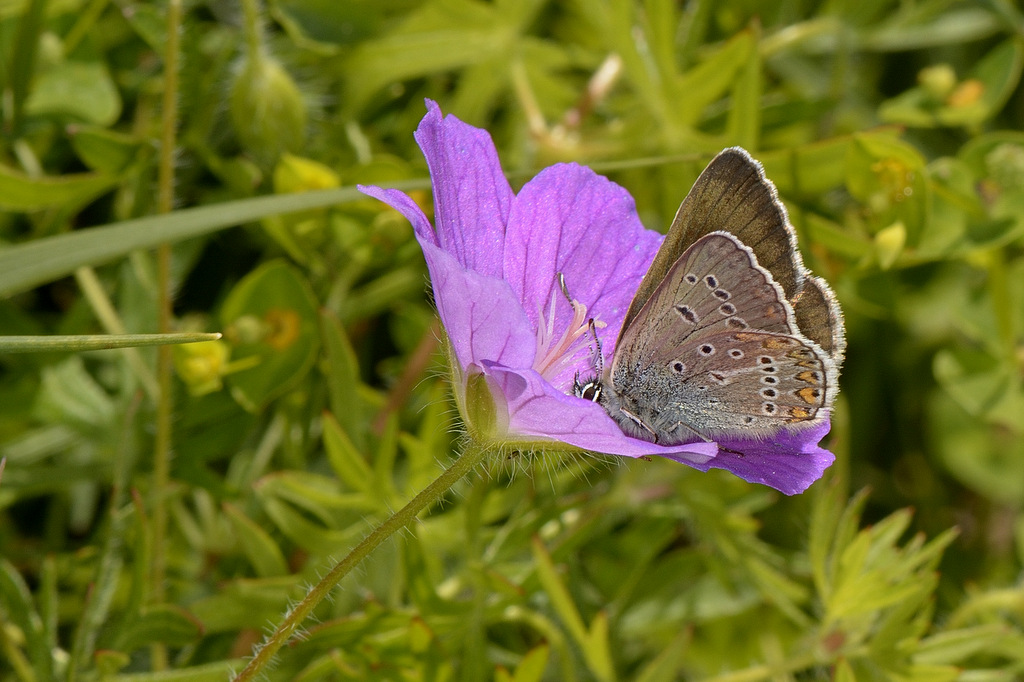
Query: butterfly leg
(641, 424)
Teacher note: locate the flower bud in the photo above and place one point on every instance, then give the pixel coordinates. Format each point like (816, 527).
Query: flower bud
(938, 81)
(201, 366)
(889, 244)
(296, 174)
(483, 409)
(267, 110)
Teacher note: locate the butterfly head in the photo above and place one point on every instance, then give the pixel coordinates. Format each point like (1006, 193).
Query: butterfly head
(588, 389)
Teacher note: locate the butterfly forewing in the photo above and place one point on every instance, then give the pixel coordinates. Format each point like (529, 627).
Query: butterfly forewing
(731, 195)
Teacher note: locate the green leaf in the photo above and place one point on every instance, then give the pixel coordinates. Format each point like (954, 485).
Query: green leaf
(743, 126)
(666, 665)
(76, 90)
(561, 600)
(341, 371)
(107, 151)
(25, 266)
(20, 193)
(958, 646)
(17, 606)
(532, 664)
(21, 69)
(79, 343)
(276, 299)
(161, 624)
(977, 98)
(261, 550)
(211, 672)
(710, 79)
(71, 395)
(345, 458)
(596, 648)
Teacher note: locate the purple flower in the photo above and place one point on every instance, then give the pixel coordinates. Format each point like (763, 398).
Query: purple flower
(517, 342)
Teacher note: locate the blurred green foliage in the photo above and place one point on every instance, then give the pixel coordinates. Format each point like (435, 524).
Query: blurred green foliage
(893, 132)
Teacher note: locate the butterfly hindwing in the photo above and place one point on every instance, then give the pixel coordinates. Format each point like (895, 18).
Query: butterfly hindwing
(716, 285)
(717, 351)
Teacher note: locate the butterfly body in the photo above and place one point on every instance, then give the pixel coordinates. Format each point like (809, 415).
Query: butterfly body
(715, 344)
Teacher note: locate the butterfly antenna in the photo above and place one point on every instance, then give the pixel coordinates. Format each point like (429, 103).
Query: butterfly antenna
(598, 356)
(564, 287)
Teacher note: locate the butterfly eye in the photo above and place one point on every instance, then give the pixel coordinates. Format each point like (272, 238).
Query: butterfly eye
(588, 390)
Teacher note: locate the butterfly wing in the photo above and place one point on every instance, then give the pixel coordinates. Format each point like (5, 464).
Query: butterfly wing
(716, 351)
(819, 318)
(731, 195)
(716, 285)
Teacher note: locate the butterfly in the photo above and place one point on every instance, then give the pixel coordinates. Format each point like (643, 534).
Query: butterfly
(729, 335)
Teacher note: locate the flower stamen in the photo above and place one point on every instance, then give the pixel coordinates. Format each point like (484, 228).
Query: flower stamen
(551, 359)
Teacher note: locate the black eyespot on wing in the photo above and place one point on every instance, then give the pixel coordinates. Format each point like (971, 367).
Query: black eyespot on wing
(688, 314)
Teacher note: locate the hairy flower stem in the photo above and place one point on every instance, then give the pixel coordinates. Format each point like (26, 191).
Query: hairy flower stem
(164, 364)
(467, 461)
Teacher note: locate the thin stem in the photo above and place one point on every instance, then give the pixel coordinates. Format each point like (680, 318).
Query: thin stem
(104, 310)
(162, 445)
(467, 461)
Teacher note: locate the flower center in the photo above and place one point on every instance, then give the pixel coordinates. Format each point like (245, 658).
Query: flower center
(554, 356)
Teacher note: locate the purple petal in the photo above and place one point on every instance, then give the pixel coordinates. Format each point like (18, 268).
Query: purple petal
(790, 462)
(572, 221)
(403, 203)
(537, 409)
(471, 195)
(481, 314)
